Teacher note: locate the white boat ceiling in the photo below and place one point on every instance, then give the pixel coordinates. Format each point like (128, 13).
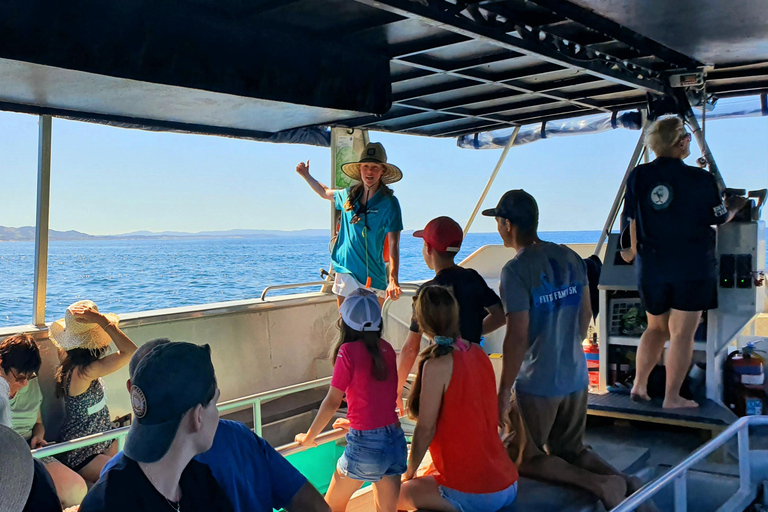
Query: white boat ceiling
(262, 68)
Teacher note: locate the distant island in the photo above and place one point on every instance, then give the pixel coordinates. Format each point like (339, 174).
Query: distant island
(27, 234)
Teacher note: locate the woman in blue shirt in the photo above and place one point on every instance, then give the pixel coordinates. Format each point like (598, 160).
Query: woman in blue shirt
(370, 216)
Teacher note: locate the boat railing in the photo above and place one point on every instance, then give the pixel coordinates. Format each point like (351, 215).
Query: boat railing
(290, 286)
(677, 476)
(407, 289)
(253, 401)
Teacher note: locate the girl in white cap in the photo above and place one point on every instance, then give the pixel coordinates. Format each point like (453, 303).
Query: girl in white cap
(365, 369)
(83, 336)
(370, 216)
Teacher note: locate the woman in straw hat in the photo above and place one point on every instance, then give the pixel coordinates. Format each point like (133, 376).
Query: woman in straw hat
(83, 337)
(370, 216)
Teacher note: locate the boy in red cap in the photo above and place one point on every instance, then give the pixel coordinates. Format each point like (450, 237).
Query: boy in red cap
(480, 309)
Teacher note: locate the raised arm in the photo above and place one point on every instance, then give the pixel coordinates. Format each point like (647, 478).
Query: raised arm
(112, 362)
(319, 188)
(515, 346)
(435, 380)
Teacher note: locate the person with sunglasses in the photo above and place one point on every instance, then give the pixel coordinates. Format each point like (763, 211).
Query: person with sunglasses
(671, 207)
(19, 363)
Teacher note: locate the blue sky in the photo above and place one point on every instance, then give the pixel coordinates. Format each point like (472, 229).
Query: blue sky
(109, 180)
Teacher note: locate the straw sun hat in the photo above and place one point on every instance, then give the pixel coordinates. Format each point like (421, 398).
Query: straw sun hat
(68, 333)
(16, 471)
(373, 153)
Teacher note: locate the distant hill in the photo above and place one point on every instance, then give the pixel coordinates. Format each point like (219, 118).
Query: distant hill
(27, 234)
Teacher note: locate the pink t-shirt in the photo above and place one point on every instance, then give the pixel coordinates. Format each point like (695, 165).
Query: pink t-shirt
(371, 402)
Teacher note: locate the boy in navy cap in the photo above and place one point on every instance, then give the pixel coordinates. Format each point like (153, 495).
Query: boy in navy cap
(173, 397)
(254, 476)
(480, 310)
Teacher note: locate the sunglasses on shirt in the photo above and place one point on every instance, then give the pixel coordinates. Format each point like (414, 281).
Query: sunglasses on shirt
(21, 377)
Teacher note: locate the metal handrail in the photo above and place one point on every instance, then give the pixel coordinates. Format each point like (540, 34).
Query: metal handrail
(289, 286)
(677, 475)
(254, 401)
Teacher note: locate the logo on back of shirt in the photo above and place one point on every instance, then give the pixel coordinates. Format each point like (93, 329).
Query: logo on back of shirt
(661, 196)
(553, 295)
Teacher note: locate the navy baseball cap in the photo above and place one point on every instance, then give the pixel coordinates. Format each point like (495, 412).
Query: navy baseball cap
(169, 381)
(142, 351)
(515, 206)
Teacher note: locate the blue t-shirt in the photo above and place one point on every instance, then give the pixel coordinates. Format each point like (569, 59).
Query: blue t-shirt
(253, 475)
(548, 281)
(380, 215)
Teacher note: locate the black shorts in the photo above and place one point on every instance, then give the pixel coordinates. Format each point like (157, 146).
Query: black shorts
(661, 296)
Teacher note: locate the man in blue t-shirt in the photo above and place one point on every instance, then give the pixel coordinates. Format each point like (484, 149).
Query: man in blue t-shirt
(252, 474)
(545, 295)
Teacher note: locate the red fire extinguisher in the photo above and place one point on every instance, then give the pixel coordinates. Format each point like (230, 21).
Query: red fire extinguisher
(744, 381)
(592, 352)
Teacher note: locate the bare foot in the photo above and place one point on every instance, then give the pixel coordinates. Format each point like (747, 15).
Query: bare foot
(639, 394)
(613, 490)
(678, 402)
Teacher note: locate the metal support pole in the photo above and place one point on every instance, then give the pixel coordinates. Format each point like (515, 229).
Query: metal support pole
(41, 224)
(636, 154)
(681, 493)
(491, 179)
(745, 477)
(257, 417)
(698, 134)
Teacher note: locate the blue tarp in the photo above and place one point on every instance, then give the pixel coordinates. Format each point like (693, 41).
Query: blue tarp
(751, 106)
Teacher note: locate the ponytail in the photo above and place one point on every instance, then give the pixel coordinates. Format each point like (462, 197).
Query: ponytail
(438, 314)
(371, 341)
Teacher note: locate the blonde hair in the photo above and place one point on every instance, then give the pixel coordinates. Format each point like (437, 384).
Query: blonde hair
(438, 314)
(663, 134)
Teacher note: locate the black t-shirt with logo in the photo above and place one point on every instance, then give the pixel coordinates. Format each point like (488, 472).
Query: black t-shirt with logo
(473, 295)
(674, 206)
(125, 488)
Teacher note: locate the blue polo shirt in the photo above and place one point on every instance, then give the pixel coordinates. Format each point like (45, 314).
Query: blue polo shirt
(360, 254)
(253, 475)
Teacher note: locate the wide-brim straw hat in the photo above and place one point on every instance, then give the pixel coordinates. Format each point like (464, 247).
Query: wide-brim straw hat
(68, 333)
(373, 153)
(16, 470)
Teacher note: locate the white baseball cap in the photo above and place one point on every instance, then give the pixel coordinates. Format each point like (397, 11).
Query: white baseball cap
(361, 310)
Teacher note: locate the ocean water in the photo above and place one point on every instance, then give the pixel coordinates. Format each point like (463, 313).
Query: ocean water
(123, 276)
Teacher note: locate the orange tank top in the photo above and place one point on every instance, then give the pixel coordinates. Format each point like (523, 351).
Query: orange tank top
(467, 450)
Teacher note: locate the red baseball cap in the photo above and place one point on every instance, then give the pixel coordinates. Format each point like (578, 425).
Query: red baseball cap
(443, 234)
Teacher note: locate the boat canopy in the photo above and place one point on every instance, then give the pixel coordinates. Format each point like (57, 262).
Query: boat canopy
(284, 70)
(751, 106)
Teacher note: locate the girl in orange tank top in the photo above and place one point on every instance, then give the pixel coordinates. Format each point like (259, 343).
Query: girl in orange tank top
(454, 402)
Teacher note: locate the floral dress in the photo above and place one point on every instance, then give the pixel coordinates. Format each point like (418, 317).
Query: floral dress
(85, 414)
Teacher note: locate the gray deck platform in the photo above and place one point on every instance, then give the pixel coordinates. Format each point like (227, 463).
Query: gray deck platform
(708, 416)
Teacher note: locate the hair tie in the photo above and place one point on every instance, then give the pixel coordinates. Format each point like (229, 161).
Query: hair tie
(443, 340)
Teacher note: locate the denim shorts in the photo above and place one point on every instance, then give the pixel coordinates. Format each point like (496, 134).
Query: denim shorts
(469, 502)
(373, 454)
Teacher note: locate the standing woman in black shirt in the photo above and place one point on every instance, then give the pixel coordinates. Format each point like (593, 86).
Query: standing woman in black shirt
(672, 207)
